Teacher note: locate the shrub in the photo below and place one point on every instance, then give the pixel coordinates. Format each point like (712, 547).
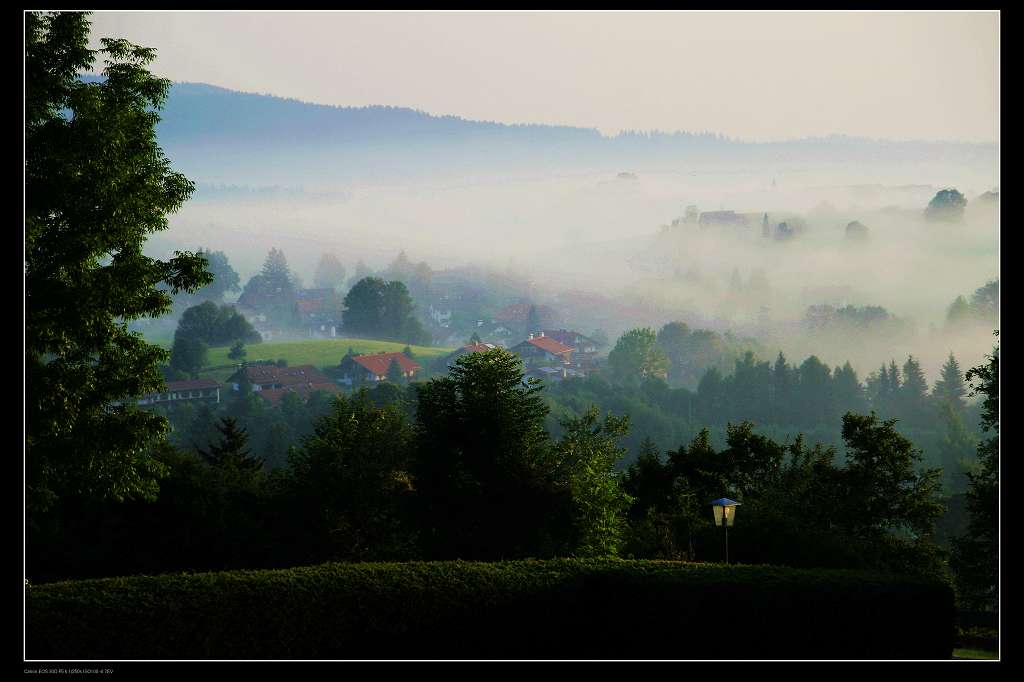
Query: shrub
(564, 609)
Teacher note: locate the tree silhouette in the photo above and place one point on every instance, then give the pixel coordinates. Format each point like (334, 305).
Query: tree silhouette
(231, 451)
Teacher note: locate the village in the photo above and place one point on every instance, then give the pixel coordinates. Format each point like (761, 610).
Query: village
(550, 356)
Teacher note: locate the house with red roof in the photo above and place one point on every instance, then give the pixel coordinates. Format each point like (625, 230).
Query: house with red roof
(359, 369)
(543, 350)
(574, 339)
(271, 382)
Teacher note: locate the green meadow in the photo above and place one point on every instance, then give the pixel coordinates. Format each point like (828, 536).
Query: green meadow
(318, 352)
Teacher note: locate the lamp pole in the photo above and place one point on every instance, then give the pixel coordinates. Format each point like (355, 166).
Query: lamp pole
(726, 524)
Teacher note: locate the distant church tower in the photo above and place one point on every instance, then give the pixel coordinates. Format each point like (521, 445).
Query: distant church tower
(766, 231)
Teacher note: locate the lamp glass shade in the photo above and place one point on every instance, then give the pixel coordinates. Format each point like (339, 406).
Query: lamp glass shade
(730, 515)
(718, 514)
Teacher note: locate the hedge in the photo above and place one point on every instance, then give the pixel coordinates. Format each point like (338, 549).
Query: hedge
(560, 609)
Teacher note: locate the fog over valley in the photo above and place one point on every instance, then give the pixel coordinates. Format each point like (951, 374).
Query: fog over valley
(570, 210)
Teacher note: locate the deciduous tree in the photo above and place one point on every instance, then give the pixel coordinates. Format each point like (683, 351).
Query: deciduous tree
(96, 186)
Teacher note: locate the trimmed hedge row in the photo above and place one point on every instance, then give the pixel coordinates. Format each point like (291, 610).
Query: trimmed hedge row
(560, 609)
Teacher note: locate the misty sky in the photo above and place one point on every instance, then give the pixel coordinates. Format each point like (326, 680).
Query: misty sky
(755, 76)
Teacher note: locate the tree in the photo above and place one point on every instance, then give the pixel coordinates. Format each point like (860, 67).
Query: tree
(349, 483)
(673, 339)
(885, 491)
(985, 303)
(856, 231)
(273, 290)
(216, 325)
(364, 307)
(225, 280)
(959, 312)
(237, 351)
(277, 272)
(483, 489)
(711, 397)
(96, 185)
(232, 450)
(976, 555)
(188, 355)
(946, 206)
(399, 322)
(957, 447)
(815, 391)
(330, 273)
(784, 383)
(379, 309)
(395, 374)
(636, 356)
(950, 386)
(585, 459)
(913, 394)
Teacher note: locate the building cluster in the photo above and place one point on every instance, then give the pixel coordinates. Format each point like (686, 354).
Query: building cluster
(551, 355)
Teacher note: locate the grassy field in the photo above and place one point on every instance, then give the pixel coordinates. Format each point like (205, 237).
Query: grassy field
(976, 654)
(317, 352)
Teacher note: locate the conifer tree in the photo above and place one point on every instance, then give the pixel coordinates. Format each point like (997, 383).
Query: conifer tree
(395, 374)
(913, 393)
(232, 450)
(950, 387)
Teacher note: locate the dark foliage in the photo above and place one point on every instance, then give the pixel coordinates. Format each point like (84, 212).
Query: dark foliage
(565, 609)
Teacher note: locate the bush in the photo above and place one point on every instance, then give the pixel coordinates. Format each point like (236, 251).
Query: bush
(564, 609)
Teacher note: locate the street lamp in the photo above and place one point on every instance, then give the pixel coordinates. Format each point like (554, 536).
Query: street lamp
(725, 511)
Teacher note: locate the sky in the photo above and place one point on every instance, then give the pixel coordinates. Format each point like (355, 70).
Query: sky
(749, 75)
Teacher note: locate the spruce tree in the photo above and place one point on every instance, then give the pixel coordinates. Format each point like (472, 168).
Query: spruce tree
(913, 393)
(959, 312)
(950, 387)
(395, 374)
(232, 450)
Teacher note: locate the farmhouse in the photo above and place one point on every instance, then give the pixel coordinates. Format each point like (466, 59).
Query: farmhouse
(542, 350)
(267, 377)
(317, 310)
(193, 390)
(357, 369)
(577, 341)
(584, 355)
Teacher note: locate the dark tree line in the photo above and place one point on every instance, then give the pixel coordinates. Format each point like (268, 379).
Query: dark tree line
(458, 467)
(463, 466)
(798, 507)
(812, 393)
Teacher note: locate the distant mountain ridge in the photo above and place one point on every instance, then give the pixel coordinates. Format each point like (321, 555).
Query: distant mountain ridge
(230, 137)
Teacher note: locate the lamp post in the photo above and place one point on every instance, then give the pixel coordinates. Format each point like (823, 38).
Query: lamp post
(725, 514)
